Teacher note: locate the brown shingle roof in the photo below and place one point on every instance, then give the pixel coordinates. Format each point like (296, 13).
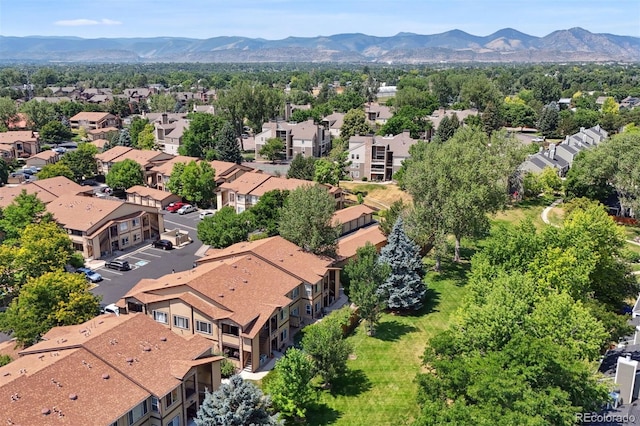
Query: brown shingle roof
(140, 357)
(246, 183)
(17, 136)
(167, 167)
(99, 143)
(275, 182)
(45, 155)
(348, 245)
(351, 213)
(241, 288)
(47, 190)
(81, 213)
(90, 116)
(113, 154)
(145, 191)
(281, 253)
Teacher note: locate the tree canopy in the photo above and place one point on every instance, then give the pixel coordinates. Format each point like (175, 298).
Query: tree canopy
(125, 174)
(81, 161)
(307, 219)
(224, 228)
(194, 181)
(53, 299)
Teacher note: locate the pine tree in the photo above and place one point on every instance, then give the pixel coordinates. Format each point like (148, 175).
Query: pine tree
(403, 288)
(236, 403)
(124, 138)
(548, 122)
(227, 145)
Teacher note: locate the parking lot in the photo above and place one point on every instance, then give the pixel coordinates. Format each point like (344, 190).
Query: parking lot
(149, 262)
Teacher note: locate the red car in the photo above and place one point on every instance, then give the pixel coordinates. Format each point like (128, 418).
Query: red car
(174, 207)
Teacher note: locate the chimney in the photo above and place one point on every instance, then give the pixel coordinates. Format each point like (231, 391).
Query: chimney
(552, 151)
(165, 118)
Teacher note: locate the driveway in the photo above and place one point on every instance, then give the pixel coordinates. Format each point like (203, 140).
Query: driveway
(149, 262)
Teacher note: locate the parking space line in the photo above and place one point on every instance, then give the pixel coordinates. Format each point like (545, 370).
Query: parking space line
(109, 270)
(146, 253)
(105, 278)
(180, 225)
(133, 257)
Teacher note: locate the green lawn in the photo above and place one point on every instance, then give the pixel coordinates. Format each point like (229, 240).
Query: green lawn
(527, 209)
(380, 387)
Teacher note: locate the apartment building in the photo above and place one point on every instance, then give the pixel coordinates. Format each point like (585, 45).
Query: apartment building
(306, 138)
(377, 158)
(248, 299)
(94, 120)
(112, 370)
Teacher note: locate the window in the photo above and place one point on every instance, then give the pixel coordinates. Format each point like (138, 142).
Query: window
(137, 413)
(309, 312)
(180, 322)
(315, 288)
(155, 404)
(124, 226)
(353, 156)
(283, 335)
(357, 156)
(160, 317)
(294, 312)
(240, 198)
(135, 222)
(283, 314)
(356, 174)
(240, 209)
(136, 237)
(317, 306)
(230, 329)
(203, 327)
(174, 421)
(295, 292)
(232, 196)
(307, 288)
(125, 241)
(171, 398)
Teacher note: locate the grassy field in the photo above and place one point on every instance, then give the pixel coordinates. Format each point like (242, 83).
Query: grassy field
(380, 387)
(528, 209)
(379, 196)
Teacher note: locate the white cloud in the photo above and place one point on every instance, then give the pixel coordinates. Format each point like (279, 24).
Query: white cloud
(86, 22)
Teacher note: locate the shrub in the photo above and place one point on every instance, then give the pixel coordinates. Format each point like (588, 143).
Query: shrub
(258, 236)
(364, 179)
(227, 368)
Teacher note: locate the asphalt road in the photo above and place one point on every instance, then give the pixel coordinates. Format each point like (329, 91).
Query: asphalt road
(149, 262)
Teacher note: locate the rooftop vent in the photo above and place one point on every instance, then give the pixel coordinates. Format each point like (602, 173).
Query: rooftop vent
(105, 376)
(129, 360)
(73, 396)
(45, 411)
(245, 281)
(163, 339)
(146, 349)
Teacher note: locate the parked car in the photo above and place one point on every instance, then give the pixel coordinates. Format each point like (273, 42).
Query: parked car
(187, 208)
(163, 244)
(174, 207)
(121, 265)
(110, 309)
(89, 182)
(206, 213)
(60, 150)
(32, 169)
(92, 276)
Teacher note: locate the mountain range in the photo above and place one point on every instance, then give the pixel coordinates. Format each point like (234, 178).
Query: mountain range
(505, 45)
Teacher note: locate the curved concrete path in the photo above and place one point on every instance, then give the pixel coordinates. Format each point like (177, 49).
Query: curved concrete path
(545, 212)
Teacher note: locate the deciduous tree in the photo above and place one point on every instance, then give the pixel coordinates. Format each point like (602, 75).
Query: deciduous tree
(307, 219)
(82, 161)
(194, 181)
(125, 174)
(354, 123)
(290, 388)
(272, 150)
(53, 299)
(55, 132)
(302, 167)
(366, 276)
(329, 350)
(224, 228)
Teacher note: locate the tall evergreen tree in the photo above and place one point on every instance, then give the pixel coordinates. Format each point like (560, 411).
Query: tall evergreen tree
(124, 139)
(236, 403)
(403, 288)
(227, 145)
(447, 127)
(548, 122)
(302, 167)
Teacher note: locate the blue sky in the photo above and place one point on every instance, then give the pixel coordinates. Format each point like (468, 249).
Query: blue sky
(277, 19)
